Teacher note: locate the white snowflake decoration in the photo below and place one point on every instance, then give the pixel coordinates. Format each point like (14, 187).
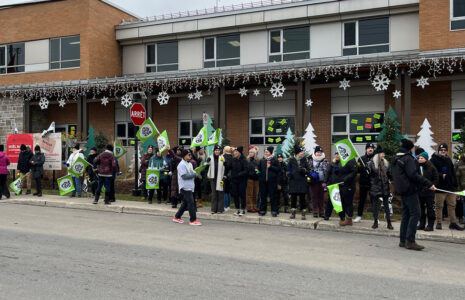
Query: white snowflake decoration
(43, 103)
(256, 92)
(309, 102)
(190, 96)
(61, 102)
(277, 89)
(396, 94)
(380, 82)
(163, 98)
(344, 84)
(104, 101)
(422, 82)
(198, 95)
(242, 92)
(126, 101)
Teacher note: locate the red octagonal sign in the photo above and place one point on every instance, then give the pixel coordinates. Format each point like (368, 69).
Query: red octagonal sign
(137, 114)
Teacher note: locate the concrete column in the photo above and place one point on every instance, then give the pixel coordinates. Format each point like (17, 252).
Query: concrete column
(407, 103)
(26, 117)
(79, 124)
(222, 107)
(308, 109)
(216, 110)
(299, 112)
(85, 116)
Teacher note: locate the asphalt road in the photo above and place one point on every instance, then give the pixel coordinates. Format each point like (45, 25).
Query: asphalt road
(52, 253)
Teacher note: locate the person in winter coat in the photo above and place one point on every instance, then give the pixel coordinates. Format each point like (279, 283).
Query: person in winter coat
(158, 163)
(92, 171)
(200, 157)
(297, 170)
(4, 163)
(346, 174)
(106, 164)
(447, 181)
(426, 196)
(144, 164)
(283, 185)
(24, 167)
(175, 160)
(318, 165)
(252, 181)
(268, 180)
(227, 154)
(116, 171)
(37, 162)
(407, 182)
(239, 170)
(215, 177)
(364, 179)
(380, 174)
(77, 153)
(460, 174)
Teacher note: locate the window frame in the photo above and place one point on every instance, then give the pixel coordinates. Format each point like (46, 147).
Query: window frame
(6, 66)
(156, 64)
(126, 140)
(452, 124)
(281, 52)
(264, 135)
(347, 132)
(62, 61)
(215, 49)
(179, 129)
(357, 37)
(452, 18)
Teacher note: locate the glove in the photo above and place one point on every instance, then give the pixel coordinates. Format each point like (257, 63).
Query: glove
(170, 173)
(209, 159)
(224, 178)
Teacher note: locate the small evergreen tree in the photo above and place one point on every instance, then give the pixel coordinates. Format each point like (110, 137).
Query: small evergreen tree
(390, 135)
(309, 139)
(101, 142)
(425, 139)
(145, 145)
(278, 149)
(288, 145)
(90, 140)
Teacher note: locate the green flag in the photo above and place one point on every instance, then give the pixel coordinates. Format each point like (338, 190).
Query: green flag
(147, 130)
(153, 179)
(214, 137)
(200, 169)
(462, 193)
(118, 150)
(78, 168)
(16, 185)
(346, 151)
(65, 184)
(201, 138)
(335, 197)
(163, 141)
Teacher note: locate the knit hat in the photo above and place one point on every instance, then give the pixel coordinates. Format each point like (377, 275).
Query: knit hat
(424, 154)
(185, 152)
(406, 144)
(270, 149)
(379, 150)
(93, 148)
(280, 155)
(253, 149)
(369, 145)
(37, 148)
(216, 148)
(443, 146)
(150, 146)
(298, 149)
(318, 149)
(110, 147)
(23, 147)
(76, 147)
(419, 150)
(198, 148)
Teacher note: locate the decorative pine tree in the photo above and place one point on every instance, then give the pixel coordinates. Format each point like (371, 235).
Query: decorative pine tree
(459, 138)
(210, 130)
(390, 136)
(144, 146)
(309, 139)
(278, 149)
(90, 141)
(425, 139)
(288, 145)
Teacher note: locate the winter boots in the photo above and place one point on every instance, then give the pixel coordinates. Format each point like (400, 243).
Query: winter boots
(346, 222)
(303, 214)
(97, 196)
(199, 203)
(413, 246)
(292, 213)
(375, 224)
(389, 225)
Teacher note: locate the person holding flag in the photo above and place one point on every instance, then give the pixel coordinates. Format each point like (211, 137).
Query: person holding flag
(364, 179)
(91, 171)
(144, 164)
(77, 153)
(215, 176)
(158, 163)
(106, 166)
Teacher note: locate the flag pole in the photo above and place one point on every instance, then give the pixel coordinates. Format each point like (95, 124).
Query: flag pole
(454, 193)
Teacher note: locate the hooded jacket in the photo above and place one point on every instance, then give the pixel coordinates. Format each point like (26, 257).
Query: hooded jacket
(428, 170)
(23, 161)
(4, 163)
(337, 173)
(239, 169)
(38, 166)
(445, 167)
(158, 163)
(106, 163)
(269, 174)
(298, 168)
(363, 169)
(380, 174)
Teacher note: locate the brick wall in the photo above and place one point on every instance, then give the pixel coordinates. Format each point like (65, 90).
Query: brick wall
(11, 115)
(102, 118)
(321, 118)
(237, 120)
(165, 117)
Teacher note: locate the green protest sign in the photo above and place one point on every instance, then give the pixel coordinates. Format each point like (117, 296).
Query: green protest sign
(335, 197)
(16, 186)
(118, 150)
(78, 168)
(153, 178)
(214, 137)
(147, 130)
(346, 151)
(162, 141)
(65, 184)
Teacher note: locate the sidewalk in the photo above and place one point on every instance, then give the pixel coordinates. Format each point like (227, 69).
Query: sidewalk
(134, 207)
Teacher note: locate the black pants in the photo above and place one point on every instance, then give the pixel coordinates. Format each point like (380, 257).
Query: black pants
(238, 189)
(111, 193)
(163, 191)
(284, 192)
(198, 188)
(459, 208)
(375, 204)
(187, 204)
(427, 209)
(268, 188)
(410, 217)
(3, 187)
(302, 204)
(363, 193)
(347, 199)
(38, 185)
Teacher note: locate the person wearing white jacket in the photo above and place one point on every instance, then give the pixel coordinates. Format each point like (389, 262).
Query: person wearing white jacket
(71, 160)
(215, 175)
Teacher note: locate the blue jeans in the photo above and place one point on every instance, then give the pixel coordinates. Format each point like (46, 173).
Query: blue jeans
(106, 182)
(77, 186)
(227, 200)
(410, 217)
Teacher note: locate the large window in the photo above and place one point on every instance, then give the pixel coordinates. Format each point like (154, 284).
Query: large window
(360, 128)
(65, 52)
(366, 36)
(162, 57)
(458, 121)
(222, 51)
(12, 58)
(269, 130)
(457, 14)
(125, 132)
(187, 130)
(289, 44)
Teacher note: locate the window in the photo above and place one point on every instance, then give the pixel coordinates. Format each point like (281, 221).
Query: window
(125, 132)
(69, 129)
(65, 52)
(457, 14)
(187, 130)
(458, 121)
(12, 58)
(289, 44)
(366, 36)
(162, 57)
(360, 128)
(222, 51)
(270, 130)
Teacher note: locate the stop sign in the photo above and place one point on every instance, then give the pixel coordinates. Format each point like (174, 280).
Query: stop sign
(137, 114)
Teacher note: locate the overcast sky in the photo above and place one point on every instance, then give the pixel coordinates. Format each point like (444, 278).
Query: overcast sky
(144, 8)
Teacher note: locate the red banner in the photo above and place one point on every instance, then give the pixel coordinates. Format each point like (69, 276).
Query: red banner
(13, 144)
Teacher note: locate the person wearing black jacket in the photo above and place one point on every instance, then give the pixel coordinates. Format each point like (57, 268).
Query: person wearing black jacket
(227, 154)
(283, 188)
(447, 181)
(37, 166)
(24, 166)
(347, 175)
(252, 181)
(364, 179)
(91, 171)
(239, 170)
(427, 170)
(297, 170)
(407, 182)
(268, 180)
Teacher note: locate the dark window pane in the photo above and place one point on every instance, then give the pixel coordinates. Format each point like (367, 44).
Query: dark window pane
(55, 50)
(15, 69)
(278, 125)
(70, 64)
(339, 124)
(459, 119)
(54, 66)
(209, 48)
(296, 39)
(257, 140)
(185, 129)
(457, 25)
(131, 129)
(15, 54)
(349, 34)
(275, 58)
(228, 46)
(70, 47)
(296, 56)
(150, 54)
(168, 68)
(350, 51)
(362, 139)
(337, 138)
(121, 130)
(228, 62)
(196, 126)
(374, 31)
(2, 70)
(373, 49)
(167, 53)
(151, 69)
(366, 123)
(2, 56)
(275, 41)
(185, 141)
(209, 64)
(459, 8)
(256, 126)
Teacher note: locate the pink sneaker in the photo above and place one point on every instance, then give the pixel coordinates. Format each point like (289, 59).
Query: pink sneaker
(176, 220)
(195, 223)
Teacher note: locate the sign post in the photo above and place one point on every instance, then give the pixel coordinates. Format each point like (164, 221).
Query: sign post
(138, 116)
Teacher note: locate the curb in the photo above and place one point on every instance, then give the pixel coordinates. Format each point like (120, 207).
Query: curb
(248, 219)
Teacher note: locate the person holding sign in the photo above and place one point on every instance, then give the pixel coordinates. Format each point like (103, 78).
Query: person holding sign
(76, 179)
(364, 179)
(158, 163)
(4, 163)
(37, 162)
(144, 164)
(106, 166)
(215, 176)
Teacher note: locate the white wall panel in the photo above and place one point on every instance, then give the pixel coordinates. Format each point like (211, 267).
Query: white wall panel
(133, 59)
(254, 48)
(325, 40)
(37, 52)
(405, 32)
(190, 54)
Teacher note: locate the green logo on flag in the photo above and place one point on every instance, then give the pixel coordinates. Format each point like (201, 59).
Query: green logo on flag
(153, 178)
(335, 197)
(147, 130)
(346, 151)
(163, 141)
(78, 168)
(214, 138)
(200, 139)
(16, 185)
(118, 150)
(65, 185)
